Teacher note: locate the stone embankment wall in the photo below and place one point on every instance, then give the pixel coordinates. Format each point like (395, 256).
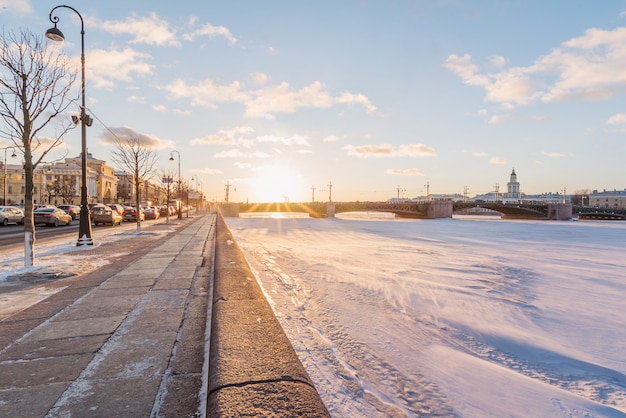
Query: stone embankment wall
(253, 368)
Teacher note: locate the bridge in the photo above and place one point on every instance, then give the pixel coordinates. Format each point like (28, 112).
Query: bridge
(436, 208)
(591, 213)
(554, 211)
(421, 210)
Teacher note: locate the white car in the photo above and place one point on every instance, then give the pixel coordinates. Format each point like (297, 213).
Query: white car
(11, 214)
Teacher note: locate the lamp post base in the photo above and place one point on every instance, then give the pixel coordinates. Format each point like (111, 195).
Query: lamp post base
(84, 227)
(84, 240)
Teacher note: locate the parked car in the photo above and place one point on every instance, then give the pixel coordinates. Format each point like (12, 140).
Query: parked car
(119, 208)
(52, 217)
(131, 214)
(151, 212)
(11, 214)
(106, 215)
(72, 210)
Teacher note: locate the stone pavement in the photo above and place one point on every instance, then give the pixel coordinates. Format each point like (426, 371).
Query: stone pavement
(127, 340)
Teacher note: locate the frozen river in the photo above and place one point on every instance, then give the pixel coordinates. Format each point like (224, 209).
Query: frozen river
(450, 317)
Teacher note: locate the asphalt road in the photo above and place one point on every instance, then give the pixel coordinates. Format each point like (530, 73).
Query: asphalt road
(13, 235)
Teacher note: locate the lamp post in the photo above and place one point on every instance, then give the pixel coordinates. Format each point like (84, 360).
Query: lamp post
(6, 174)
(54, 34)
(180, 195)
(197, 198)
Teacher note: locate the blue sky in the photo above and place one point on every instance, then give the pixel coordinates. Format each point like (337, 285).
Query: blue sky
(278, 97)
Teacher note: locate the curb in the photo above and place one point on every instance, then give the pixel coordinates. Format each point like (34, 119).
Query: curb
(253, 368)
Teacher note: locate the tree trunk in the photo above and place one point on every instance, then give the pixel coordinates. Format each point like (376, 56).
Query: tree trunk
(138, 200)
(29, 221)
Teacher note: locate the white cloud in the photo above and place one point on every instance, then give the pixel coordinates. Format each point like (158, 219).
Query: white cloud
(104, 68)
(150, 29)
(388, 150)
(588, 67)
(498, 119)
(292, 140)
(213, 139)
(331, 138)
(259, 78)
(553, 154)
(405, 172)
(480, 154)
(618, 119)
(497, 60)
(113, 135)
(18, 7)
(136, 99)
(497, 160)
(264, 102)
(211, 31)
(236, 153)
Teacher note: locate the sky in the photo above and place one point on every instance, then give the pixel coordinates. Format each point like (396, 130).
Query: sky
(353, 99)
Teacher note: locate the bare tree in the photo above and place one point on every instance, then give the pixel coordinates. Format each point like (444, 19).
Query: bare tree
(133, 154)
(35, 85)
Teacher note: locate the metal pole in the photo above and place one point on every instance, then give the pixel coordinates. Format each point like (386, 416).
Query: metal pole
(84, 227)
(180, 194)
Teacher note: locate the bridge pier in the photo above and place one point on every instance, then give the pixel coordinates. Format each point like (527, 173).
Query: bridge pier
(439, 208)
(330, 210)
(559, 211)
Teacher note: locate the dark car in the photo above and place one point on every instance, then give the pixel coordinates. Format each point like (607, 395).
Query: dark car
(131, 214)
(151, 212)
(72, 210)
(11, 214)
(52, 217)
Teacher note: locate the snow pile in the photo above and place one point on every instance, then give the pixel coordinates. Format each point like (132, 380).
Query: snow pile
(471, 318)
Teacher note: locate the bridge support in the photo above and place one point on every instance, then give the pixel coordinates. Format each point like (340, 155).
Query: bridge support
(330, 210)
(439, 208)
(559, 211)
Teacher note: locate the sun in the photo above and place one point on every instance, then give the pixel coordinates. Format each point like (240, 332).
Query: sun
(276, 184)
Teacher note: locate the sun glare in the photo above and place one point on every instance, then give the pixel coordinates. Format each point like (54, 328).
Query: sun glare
(276, 184)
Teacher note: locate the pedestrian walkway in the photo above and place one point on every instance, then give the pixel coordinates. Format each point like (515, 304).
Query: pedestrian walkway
(126, 340)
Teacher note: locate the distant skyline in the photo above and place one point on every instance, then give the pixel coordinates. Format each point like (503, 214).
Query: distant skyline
(279, 97)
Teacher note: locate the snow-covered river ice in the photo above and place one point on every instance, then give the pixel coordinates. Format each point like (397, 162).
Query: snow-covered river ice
(450, 317)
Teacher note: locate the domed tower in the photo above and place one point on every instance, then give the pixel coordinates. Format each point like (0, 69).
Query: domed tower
(513, 186)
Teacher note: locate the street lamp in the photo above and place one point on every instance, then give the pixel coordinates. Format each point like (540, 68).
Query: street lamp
(197, 191)
(6, 174)
(180, 204)
(54, 34)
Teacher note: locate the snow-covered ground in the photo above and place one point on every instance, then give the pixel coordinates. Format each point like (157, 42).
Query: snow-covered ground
(60, 255)
(450, 317)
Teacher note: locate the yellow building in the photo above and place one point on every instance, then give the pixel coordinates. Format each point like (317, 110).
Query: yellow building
(61, 182)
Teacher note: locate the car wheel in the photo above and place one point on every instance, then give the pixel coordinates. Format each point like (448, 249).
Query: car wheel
(5, 222)
(21, 222)
(56, 222)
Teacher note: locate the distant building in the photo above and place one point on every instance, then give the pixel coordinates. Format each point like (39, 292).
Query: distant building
(608, 199)
(102, 185)
(512, 195)
(513, 190)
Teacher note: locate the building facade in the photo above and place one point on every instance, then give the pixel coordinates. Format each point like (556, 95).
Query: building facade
(60, 183)
(608, 199)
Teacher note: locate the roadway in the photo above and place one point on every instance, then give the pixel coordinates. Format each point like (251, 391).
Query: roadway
(13, 235)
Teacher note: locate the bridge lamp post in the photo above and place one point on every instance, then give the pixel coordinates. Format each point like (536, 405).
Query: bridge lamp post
(54, 34)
